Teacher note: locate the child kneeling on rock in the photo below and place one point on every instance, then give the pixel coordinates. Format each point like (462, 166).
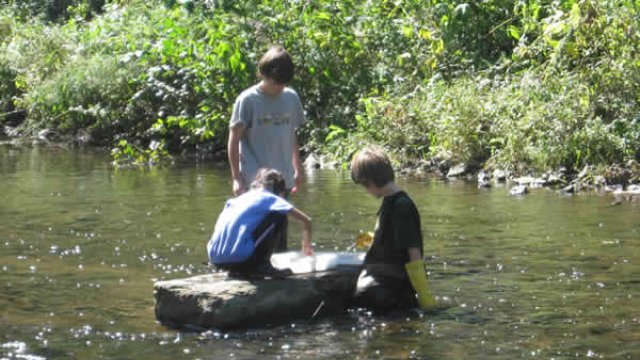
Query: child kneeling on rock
(394, 271)
(250, 225)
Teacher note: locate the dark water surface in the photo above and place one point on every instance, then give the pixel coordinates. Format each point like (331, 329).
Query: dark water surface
(543, 276)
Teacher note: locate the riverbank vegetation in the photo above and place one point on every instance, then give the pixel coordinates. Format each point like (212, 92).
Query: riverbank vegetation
(526, 86)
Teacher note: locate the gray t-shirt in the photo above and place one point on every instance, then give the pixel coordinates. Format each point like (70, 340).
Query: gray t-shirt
(269, 128)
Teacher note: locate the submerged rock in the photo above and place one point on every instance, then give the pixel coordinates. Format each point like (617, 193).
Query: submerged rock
(217, 301)
(500, 175)
(457, 171)
(483, 176)
(312, 162)
(632, 193)
(569, 189)
(519, 190)
(524, 180)
(315, 162)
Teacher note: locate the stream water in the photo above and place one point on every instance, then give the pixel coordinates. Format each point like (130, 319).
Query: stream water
(81, 244)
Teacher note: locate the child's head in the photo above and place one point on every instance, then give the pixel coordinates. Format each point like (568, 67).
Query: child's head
(270, 180)
(371, 167)
(276, 65)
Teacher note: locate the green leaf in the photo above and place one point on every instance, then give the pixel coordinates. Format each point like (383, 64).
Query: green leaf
(514, 32)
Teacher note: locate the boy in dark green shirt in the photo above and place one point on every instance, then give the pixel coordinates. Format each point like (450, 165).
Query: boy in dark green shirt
(394, 270)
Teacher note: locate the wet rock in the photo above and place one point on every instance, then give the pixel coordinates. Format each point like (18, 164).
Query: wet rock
(329, 164)
(420, 172)
(457, 171)
(633, 189)
(484, 184)
(312, 162)
(407, 172)
(554, 179)
(519, 190)
(500, 175)
(483, 176)
(586, 171)
(48, 136)
(569, 189)
(614, 188)
(442, 164)
(524, 180)
(538, 183)
(10, 131)
(217, 301)
(599, 181)
(84, 138)
(632, 193)
(430, 168)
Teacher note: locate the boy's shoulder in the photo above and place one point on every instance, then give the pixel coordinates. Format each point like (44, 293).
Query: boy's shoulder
(401, 200)
(253, 92)
(404, 198)
(249, 92)
(290, 91)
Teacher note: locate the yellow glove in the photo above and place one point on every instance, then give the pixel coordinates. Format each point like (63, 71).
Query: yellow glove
(418, 277)
(364, 239)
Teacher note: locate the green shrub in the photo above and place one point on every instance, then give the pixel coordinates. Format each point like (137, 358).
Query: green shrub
(520, 84)
(8, 90)
(87, 94)
(56, 10)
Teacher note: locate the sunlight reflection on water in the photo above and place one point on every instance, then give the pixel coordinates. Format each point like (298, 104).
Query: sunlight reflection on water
(539, 276)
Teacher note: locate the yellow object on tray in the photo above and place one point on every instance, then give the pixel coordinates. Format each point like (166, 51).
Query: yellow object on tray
(364, 239)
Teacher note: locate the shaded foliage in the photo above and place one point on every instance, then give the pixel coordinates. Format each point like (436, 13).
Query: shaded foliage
(531, 84)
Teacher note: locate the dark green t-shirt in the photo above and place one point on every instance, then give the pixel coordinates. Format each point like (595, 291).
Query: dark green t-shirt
(398, 229)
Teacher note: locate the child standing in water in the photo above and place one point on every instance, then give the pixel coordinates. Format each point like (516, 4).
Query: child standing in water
(262, 130)
(394, 271)
(249, 226)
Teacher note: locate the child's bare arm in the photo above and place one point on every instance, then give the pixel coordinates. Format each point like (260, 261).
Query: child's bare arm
(307, 248)
(233, 151)
(295, 160)
(414, 253)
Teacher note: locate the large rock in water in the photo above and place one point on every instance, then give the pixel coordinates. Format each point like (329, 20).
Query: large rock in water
(320, 286)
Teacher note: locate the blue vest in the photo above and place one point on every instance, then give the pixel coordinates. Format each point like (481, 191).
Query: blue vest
(232, 240)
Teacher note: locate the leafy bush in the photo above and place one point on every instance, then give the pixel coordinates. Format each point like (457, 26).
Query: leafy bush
(87, 94)
(521, 84)
(7, 88)
(55, 10)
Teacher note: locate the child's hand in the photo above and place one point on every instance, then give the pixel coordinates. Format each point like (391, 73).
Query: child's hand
(364, 239)
(238, 187)
(307, 248)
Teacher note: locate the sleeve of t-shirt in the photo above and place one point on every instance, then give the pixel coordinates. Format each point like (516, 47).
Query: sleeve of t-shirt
(241, 113)
(406, 231)
(280, 205)
(298, 112)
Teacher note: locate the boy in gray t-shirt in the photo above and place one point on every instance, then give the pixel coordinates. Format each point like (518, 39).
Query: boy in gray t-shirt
(263, 126)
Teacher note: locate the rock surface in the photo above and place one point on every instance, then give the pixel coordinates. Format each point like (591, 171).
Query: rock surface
(217, 301)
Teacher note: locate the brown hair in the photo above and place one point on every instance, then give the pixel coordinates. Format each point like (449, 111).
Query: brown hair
(371, 166)
(270, 180)
(276, 64)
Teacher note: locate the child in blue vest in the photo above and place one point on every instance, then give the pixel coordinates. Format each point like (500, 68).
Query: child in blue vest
(249, 226)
